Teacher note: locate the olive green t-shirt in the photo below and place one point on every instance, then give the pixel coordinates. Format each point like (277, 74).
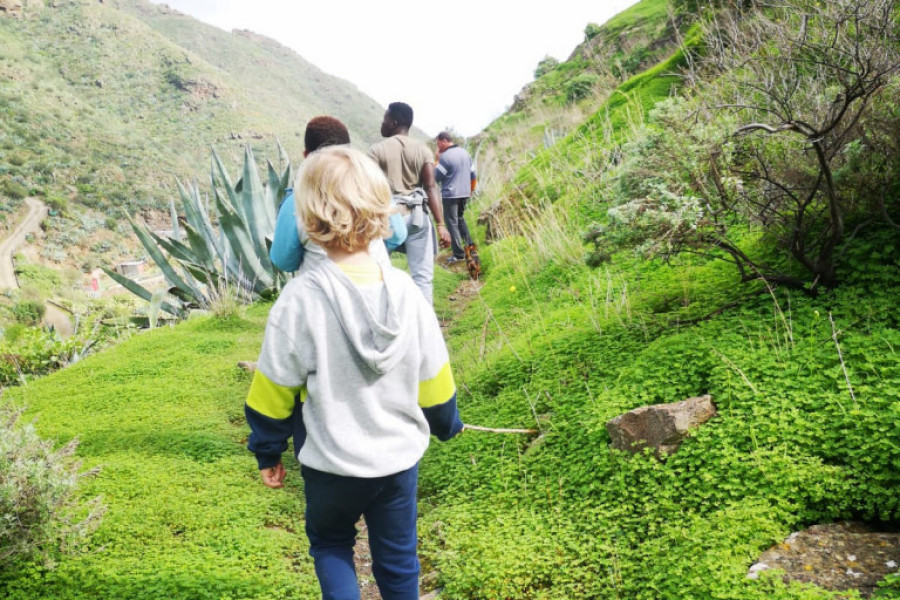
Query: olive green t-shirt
(401, 158)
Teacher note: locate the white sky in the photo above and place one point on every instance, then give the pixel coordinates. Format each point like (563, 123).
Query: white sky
(458, 63)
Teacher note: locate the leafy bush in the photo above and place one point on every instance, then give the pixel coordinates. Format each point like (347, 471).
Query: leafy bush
(547, 64)
(805, 159)
(591, 31)
(35, 351)
(17, 158)
(38, 277)
(29, 312)
(13, 189)
(56, 203)
(580, 86)
(39, 510)
(13, 332)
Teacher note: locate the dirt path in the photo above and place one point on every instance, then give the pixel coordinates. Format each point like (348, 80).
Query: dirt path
(465, 292)
(37, 211)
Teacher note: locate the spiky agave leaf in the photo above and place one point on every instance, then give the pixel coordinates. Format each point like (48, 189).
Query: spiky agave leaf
(145, 294)
(197, 217)
(155, 304)
(274, 193)
(226, 241)
(176, 231)
(220, 178)
(254, 208)
(176, 249)
(159, 258)
(146, 238)
(242, 246)
(204, 253)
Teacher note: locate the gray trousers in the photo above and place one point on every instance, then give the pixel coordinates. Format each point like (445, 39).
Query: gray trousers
(420, 251)
(454, 208)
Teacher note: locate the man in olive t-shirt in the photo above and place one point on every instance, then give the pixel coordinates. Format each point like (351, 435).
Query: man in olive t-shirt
(409, 165)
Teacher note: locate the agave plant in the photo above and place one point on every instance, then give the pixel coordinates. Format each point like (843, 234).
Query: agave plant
(228, 249)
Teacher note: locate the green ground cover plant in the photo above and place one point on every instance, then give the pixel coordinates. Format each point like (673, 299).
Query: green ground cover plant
(186, 515)
(553, 516)
(562, 516)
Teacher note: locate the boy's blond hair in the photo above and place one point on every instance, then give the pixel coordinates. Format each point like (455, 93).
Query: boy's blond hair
(343, 199)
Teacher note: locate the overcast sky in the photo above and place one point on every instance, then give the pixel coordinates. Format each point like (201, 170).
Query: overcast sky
(458, 63)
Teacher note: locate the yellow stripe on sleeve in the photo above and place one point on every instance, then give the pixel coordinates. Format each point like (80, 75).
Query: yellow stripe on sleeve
(437, 390)
(272, 400)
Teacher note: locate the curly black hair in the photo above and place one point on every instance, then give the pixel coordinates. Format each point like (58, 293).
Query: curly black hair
(325, 131)
(401, 113)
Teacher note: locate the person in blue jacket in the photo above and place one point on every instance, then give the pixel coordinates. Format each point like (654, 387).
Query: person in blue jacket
(289, 242)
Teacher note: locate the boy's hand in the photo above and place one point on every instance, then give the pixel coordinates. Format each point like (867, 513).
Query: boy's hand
(273, 477)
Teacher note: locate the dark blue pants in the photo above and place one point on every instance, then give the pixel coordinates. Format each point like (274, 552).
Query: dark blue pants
(334, 504)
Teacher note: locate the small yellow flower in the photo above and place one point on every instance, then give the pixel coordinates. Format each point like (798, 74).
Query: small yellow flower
(512, 288)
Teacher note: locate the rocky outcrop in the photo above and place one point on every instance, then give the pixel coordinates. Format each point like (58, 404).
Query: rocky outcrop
(662, 426)
(11, 7)
(837, 556)
(489, 217)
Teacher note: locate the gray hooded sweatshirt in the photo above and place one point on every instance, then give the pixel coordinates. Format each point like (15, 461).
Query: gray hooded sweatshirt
(366, 359)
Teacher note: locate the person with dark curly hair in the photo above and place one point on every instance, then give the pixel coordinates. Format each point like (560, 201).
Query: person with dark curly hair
(289, 242)
(324, 131)
(409, 167)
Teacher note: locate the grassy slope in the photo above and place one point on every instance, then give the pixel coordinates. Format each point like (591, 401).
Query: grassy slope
(162, 415)
(280, 84)
(566, 349)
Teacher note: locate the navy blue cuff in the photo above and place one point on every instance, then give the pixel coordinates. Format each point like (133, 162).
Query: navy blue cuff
(267, 460)
(268, 437)
(443, 419)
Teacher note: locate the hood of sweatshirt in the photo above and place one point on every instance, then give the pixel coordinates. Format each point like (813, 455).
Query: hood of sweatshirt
(371, 321)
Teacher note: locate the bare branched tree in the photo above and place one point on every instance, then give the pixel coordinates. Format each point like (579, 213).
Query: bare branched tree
(800, 77)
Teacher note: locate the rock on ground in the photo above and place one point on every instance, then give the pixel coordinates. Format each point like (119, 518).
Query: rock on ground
(837, 556)
(662, 426)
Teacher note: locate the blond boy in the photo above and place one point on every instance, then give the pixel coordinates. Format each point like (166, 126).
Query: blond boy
(354, 366)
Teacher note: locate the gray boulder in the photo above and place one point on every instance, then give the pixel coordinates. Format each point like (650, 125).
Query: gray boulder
(837, 556)
(662, 426)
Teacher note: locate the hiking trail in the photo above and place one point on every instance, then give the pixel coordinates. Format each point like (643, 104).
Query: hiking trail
(37, 211)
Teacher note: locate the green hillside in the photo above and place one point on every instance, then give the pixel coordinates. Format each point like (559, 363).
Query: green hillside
(101, 104)
(644, 251)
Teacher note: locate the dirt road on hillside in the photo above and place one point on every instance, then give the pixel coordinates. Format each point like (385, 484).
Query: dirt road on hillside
(37, 211)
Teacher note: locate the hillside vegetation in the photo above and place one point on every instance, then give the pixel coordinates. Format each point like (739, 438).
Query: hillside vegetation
(561, 337)
(101, 104)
